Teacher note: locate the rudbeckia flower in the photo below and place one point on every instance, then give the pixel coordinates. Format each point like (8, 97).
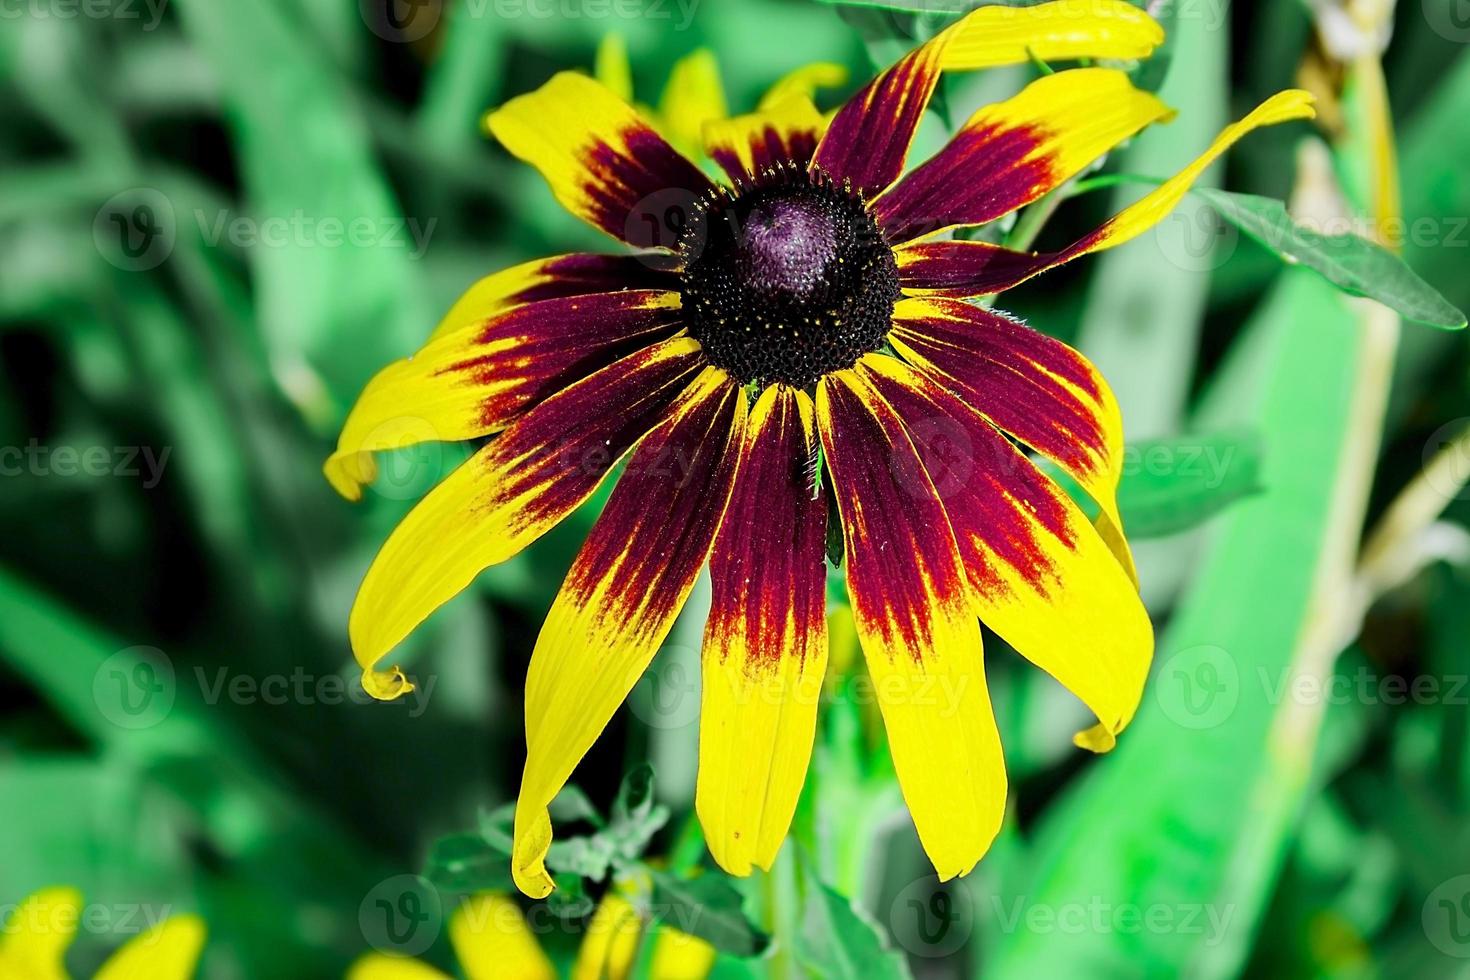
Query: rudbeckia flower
(493, 942)
(35, 938)
(805, 339)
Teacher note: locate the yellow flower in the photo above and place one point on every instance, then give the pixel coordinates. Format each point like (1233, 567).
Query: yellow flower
(492, 941)
(35, 938)
(797, 335)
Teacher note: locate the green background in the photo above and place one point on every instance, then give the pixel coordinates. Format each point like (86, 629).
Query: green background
(181, 726)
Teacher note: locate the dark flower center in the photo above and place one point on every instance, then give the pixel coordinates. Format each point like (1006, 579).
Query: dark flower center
(787, 280)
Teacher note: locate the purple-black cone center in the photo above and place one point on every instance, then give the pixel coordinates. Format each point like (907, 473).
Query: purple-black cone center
(788, 280)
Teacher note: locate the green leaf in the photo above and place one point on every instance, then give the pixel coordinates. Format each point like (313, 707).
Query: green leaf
(634, 801)
(841, 943)
(467, 863)
(1202, 740)
(1171, 485)
(708, 907)
(1351, 263)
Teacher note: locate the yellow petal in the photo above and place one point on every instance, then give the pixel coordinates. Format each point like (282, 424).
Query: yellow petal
(693, 96)
(1060, 31)
(748, 144)
(765, 643)
(1039, 573)
(168, 951)
(381, 966)
(677, 956)
(509, 493)
(1153, 208)
(493, 942)
(473, 381)
(804, 82)
(35, 938)
(620, 598)
(612, 68)
(603, 161)
(919, 636)
(1010, 153)
(610, 944)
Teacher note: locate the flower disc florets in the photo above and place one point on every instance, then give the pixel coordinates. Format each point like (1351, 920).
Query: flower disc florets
(787, 279)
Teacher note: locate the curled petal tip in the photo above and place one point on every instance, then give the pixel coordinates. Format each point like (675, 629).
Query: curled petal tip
(386, 685)
(349, 472)
(1099, 738)
(528, 863)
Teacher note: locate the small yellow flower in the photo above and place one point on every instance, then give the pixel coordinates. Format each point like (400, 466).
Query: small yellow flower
(492, 941)
(34, 940)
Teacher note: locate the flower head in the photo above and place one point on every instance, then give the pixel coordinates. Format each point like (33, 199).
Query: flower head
(797, 334)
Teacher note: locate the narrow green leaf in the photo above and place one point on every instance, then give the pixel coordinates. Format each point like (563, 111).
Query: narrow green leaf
(1171, 485)
(708, 907)
(1351, 263)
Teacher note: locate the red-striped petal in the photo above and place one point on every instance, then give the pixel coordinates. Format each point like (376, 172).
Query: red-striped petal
(1010, 153)
(919, 637)
(513, 490)
(604, 162)
(868, 140)
(621, 596)
(1040, 575)
(1038, 389)
(961, 268)
(476, 380)
(765, 643)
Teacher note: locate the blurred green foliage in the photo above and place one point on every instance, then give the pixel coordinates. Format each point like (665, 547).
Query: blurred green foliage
(218, 219)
